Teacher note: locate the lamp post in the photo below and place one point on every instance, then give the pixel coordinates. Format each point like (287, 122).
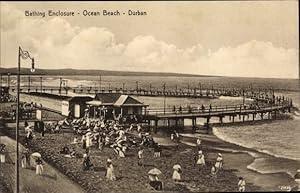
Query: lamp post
(41, 84)
(164, 86)
(99, 82)
(137, 86)
(8, 80)
(29, 81)
(24, 55)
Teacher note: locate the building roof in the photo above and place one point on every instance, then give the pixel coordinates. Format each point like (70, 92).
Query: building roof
(121, 100)
(107, 98)
(116, 99)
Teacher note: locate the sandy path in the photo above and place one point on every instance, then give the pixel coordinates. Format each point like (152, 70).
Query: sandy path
(52, 181)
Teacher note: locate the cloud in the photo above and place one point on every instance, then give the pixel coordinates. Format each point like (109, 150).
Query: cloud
(55, 43)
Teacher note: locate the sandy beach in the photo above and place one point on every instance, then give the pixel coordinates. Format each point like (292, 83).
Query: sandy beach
(238, 161)
(133, 178)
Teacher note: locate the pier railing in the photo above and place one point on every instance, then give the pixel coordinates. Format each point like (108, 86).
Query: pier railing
(218, 110)
(183, 92)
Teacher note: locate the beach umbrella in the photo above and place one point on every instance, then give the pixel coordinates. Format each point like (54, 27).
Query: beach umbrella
(177, 167)
(36, 154)
(154, 171)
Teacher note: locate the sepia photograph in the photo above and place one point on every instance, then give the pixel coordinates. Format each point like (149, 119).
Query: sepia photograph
(149, 96)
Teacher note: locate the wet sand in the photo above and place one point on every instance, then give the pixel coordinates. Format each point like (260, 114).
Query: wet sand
(241, 159)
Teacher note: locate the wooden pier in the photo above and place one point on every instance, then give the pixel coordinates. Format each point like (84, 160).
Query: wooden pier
(153, 92)
(235, 113)
(270, 106)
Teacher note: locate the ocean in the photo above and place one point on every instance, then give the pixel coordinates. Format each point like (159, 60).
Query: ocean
(279, 139)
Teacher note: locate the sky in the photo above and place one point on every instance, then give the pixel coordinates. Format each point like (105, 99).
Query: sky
(224, 38)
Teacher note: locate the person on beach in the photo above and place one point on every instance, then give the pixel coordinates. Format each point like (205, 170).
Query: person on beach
(101, 140)
(176, 173)
(241, 184)
(83, 140)
(39, 166)
(27, 156)
(72, 153)
(213, 172)
(87, 164)
(2, 153)
(297, 180)
(23, 161)
(201, 161)
(155, 182)
(157, 150)
(172, 136)
(219, 162)
(25, 124)
(198, 143)
(176, 134)
(75, 140)
(110, 170)
(141, 157)
(65, 150)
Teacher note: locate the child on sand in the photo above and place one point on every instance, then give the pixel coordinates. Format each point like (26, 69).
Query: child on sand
(110, 170)
(241, 184)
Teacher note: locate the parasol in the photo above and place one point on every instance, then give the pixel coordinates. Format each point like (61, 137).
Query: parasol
(36, 154)
(154, 171)
(177, 167)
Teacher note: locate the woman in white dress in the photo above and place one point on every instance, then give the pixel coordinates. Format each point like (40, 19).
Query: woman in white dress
(219, 162)
(110, 170)
(39, 166)
(201, 160)
(176, 173)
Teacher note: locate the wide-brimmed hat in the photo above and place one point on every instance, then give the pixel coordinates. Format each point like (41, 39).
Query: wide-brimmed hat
(200, 152)
(219, 154)
(108, 160)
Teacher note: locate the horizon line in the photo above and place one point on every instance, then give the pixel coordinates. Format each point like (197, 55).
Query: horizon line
(147, 72)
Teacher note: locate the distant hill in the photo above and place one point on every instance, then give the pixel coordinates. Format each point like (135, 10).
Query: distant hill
(68, 71)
